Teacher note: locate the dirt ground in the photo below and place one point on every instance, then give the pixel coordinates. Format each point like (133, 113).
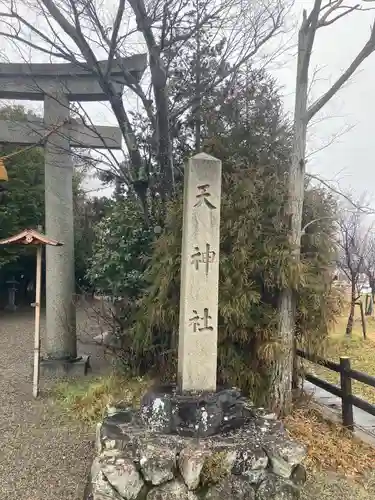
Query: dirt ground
(43, 453)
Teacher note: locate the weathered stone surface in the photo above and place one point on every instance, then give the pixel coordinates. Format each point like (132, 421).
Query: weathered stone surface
(174, 490)
(270, 416)
(284, 454)
(218, 465)
(60, 341)
(126, 430)
(56, 368)
(269, 427)
(121, 474)
(241, 456)
(157, 465)
(255, 477)
(98, 441)
(264, 413)
(156, 411)
(233, 487)
(250, 459)
(31, 81)
(298, 475)
(197, 337)
(190, 463)
(100, 489)
(207, 414)
(276, 488)
(120, 411)
(115, 432)
(30, 132)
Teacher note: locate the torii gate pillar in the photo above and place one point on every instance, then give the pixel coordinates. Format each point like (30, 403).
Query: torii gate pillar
(60, 269)
(57, 85)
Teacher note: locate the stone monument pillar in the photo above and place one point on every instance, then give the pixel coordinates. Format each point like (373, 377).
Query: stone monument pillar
(60, 281)
(197, 407)
(197, 350)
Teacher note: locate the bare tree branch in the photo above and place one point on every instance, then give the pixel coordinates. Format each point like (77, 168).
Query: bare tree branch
(86, 31)
(364, 209)
(368, 48)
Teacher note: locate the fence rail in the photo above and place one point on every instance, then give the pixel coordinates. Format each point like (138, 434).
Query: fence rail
(344, 390)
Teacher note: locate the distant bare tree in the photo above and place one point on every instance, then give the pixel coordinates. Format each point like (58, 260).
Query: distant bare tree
(353, 243)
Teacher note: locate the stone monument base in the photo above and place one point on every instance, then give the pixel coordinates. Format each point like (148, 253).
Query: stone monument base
(256, 461)
(191, 414)
(52, 368)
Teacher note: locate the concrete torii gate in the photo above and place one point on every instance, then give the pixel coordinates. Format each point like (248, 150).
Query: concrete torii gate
(57, 85)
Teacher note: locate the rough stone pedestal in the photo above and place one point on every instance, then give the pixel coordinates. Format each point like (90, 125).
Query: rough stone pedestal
(52, 368)
(190, 414)
(257, 461)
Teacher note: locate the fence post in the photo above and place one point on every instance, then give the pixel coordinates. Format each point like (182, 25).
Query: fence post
(346, 389)
(363, 320)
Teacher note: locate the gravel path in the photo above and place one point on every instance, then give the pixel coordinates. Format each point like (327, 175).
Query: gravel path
(43, 454)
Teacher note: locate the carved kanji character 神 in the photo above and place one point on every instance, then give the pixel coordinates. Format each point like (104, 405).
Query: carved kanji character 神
(207, 257)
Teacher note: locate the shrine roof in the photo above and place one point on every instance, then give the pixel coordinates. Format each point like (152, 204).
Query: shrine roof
(30, 237)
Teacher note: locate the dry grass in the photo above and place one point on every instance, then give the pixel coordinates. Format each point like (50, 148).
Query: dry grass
(361, 353)
(87, 399)
(339, 467)
(332, 486)
(329, 446)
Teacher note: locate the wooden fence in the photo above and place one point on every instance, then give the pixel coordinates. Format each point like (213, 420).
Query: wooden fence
(344, 390)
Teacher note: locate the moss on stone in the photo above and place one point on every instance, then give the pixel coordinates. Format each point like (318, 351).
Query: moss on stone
(215, 468)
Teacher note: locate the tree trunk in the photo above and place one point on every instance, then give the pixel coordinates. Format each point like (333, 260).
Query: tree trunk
(282, 368)
(164, 154)
(160, 88)
(281, 378)
(353, 298)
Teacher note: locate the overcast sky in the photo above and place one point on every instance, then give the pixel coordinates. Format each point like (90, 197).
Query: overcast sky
(349, 160)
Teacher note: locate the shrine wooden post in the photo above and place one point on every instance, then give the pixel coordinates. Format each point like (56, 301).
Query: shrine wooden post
(32, 237)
